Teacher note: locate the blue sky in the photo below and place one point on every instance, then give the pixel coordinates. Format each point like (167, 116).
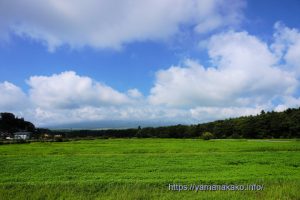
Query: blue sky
(153, 61)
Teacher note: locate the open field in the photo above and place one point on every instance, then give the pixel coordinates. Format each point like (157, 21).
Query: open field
(143, 169)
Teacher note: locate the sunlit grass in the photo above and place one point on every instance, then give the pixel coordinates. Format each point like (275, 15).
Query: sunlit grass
(142, 168)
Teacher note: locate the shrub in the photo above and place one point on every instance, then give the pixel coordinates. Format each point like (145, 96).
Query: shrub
(207, 136)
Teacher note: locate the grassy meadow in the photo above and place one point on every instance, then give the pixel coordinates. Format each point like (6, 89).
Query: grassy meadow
(143, 169)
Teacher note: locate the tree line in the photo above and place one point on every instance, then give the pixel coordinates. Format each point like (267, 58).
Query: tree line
(284, 124)
(10, 123)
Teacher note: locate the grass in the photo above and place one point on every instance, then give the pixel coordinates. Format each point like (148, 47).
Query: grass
(143, 169)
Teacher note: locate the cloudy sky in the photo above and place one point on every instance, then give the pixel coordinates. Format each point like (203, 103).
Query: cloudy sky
(147, 61)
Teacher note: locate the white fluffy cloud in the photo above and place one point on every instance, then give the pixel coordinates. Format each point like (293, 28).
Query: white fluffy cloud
(12, 98)
(69, 90)
(287, 46)
(134, 93)
(244, 72)
(207, 114)
(128, 113)
(246, 75)
(112, 23)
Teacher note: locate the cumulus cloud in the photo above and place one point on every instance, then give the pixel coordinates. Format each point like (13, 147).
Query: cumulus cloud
(69, 90)
(127, 113)
(287, 46)
(244, 72)
(246, 75)
(111, 23)
(288, 102)
(12, 98)
(134, 93)
(207, 114)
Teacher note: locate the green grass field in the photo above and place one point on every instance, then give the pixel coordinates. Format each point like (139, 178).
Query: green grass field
(144, 168)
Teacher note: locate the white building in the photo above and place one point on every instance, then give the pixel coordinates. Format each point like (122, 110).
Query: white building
(22, 135)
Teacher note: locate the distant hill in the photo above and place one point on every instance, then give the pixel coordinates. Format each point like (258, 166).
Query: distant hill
(109, 124)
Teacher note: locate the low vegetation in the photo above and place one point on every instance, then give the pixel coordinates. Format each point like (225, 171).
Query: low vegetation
(143, 168)
(207, 136)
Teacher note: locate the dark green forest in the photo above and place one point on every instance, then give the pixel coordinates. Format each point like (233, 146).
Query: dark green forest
(10, 123)
(284, 124)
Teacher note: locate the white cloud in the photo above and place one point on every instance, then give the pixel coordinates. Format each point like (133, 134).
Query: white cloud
(207, 114)
(69, 90)
(112, 23)
(219, 14)
(134, 93)
(244, 73)
(12, 98)
(129, 113)
(288, 102)
(287, 46)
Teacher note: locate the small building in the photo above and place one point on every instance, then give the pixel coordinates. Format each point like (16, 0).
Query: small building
(22, 135)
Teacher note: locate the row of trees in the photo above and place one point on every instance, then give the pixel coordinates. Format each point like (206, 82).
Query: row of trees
(265, 125)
